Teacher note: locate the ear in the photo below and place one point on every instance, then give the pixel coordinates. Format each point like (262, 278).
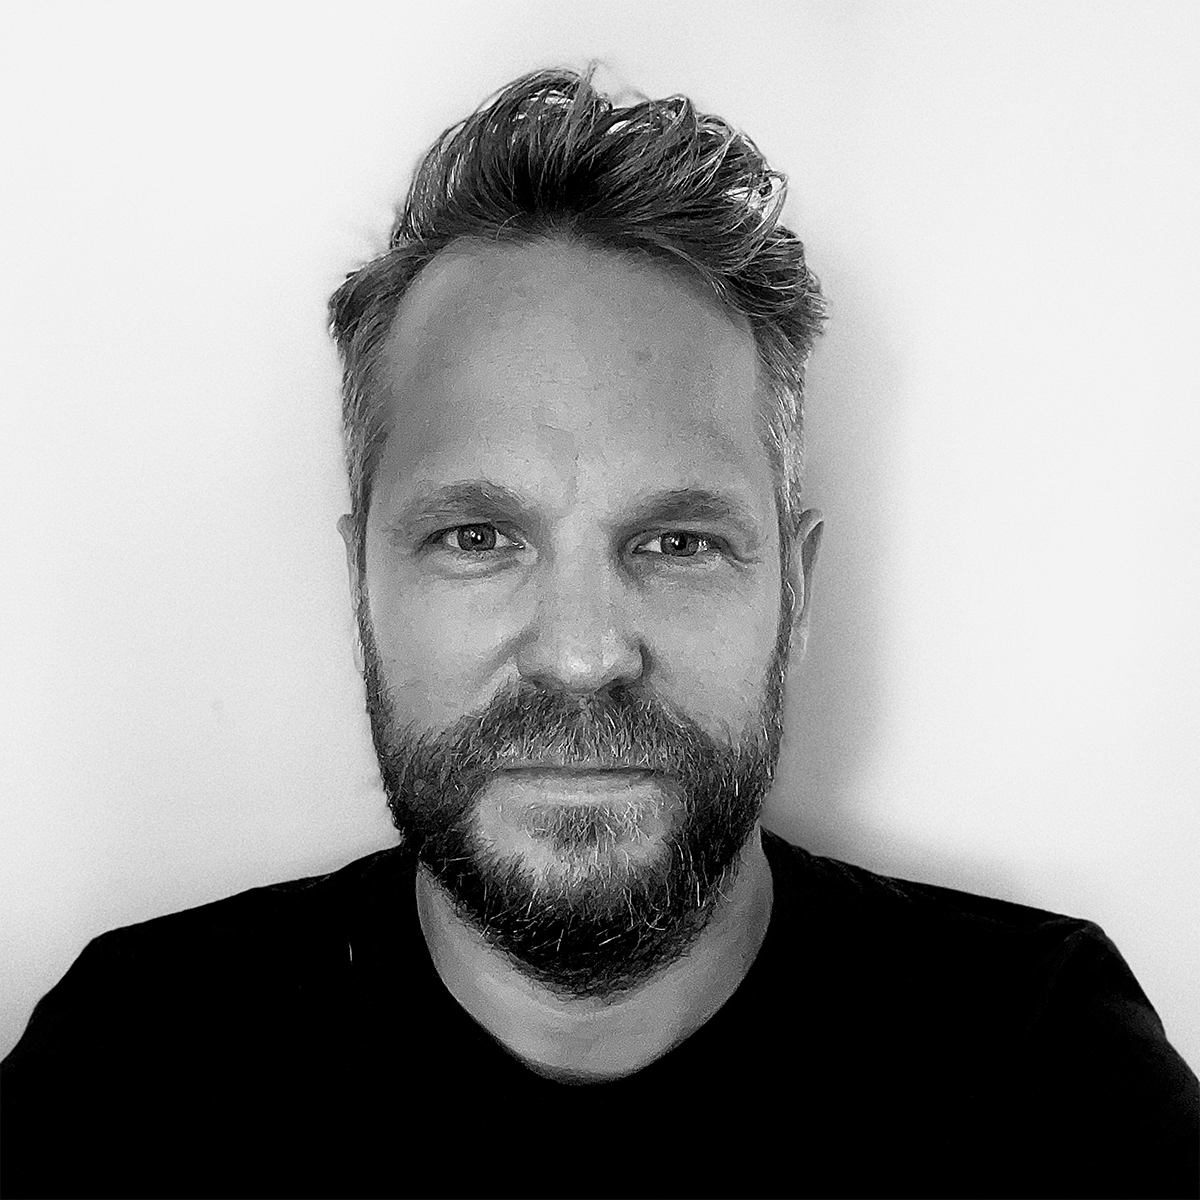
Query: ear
(805, 543)
(346, 529)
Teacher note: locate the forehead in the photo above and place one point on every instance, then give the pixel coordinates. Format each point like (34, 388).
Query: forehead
(572, 366)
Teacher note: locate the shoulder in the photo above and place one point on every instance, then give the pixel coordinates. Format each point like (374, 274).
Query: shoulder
(247, 967)
(1016, 1017)
(945, 956)
(256, 927)
(840, 899)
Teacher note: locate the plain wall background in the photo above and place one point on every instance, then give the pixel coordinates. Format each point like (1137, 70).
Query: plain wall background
(1001, 200)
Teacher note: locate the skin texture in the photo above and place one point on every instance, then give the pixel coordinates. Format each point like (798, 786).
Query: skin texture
(579, 388)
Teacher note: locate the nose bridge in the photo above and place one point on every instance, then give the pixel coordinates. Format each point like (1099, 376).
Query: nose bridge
(583, 633)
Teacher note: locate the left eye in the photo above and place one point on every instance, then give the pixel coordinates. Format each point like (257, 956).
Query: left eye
(474, 538)
(678, 544)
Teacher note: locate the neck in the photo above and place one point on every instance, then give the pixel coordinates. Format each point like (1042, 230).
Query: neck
(590, 1039)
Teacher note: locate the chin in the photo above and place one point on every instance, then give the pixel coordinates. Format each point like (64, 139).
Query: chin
(566, 846)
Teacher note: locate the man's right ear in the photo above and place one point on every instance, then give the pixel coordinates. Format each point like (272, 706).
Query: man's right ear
(346, 529)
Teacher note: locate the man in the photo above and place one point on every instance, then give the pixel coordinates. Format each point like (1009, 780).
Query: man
(579, 563)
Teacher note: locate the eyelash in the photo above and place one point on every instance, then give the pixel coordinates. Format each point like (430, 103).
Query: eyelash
(708, 542)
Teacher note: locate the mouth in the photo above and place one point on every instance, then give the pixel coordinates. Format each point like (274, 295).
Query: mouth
(584, 770)
(541, 811)
(575, 784)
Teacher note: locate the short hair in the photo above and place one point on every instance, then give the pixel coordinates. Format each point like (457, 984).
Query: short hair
(550, 157)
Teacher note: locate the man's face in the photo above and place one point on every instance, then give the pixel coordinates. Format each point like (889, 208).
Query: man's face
(571, 603)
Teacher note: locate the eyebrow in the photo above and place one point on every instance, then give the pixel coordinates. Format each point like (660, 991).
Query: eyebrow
(698, 505)
(452, 501)
(483, 498)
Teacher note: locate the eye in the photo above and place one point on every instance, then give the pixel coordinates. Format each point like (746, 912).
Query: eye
(678, 543)
(472, 539)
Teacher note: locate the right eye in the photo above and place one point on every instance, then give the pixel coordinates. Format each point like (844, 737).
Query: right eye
(473, 539)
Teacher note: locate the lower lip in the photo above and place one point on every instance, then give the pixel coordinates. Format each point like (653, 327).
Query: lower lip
(551, 786)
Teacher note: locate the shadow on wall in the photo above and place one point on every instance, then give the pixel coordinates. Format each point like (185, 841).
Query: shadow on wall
(834, 712)
(834, 694)
(834, 707)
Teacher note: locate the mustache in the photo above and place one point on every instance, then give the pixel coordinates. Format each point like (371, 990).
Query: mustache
(527, 724)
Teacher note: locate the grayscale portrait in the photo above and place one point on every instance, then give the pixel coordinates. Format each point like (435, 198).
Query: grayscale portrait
(601, 600)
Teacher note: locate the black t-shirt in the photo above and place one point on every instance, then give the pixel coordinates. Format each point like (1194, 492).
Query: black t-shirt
(891, 1039)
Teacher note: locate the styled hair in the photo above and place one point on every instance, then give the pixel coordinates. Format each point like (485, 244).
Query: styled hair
(550, 157)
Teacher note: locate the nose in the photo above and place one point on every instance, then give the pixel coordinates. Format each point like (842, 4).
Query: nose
(582, 636)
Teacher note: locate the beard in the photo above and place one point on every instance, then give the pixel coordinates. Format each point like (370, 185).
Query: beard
(601, 920)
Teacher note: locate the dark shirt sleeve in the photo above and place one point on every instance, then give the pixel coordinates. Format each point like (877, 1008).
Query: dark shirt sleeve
(59, 1047)
(102, 1094)
(65, 1082)
(1115, 1109)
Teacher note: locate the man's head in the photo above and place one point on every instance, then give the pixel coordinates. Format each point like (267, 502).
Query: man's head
(572, 410)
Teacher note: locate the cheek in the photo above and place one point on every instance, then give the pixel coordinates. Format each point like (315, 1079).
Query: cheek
(438, 654)
(713, 662)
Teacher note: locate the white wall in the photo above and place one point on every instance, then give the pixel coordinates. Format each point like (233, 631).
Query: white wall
(1001, 200)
